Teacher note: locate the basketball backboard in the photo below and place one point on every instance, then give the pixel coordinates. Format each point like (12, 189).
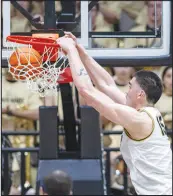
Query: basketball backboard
(115, 52)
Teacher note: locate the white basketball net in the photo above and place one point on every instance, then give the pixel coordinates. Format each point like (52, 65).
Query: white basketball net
(41, 80)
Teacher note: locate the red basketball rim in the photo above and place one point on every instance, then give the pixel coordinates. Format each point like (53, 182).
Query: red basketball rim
(32, 40)
(41, 42)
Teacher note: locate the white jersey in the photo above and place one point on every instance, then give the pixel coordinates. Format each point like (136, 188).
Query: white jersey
(149, 160)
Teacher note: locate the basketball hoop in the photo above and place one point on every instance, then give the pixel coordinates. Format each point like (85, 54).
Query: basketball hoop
(43, 66)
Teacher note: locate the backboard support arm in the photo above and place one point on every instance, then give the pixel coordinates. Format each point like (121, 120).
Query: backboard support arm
(27, 15)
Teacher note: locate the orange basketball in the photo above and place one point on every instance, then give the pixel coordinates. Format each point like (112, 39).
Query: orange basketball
(25, 63)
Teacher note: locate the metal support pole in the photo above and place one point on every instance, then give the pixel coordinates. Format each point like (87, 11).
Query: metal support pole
(69, 118)
(48, 132)
(125, 179)
(90, 133)
(22, 173)
(108, 172)
(50, 16)
(6, 174)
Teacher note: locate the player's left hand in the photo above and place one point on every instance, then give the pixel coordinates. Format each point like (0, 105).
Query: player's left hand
(66, 43)
(70, 35)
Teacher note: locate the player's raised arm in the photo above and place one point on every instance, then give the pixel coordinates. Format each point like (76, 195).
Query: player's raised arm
(120, 114)
(80, 76)
(100, 77)
(138, 124)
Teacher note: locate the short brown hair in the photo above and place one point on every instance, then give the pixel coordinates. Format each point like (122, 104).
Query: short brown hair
(57, 183)
(151, 84)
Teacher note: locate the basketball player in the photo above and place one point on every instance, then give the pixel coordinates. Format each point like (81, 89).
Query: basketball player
(57, 183)
(145, 146)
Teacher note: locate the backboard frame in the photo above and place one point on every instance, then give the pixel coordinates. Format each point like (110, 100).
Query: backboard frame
(154, 57)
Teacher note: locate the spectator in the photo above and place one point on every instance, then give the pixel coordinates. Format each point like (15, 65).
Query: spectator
(148, 26)
(57, 183)
(122, 76)
(99, 24)
(77, 9)
(155, 69)
(17, 100)
(5, 142)
(115, 12)
(165, 103)
(18, 22)
(38, 9)
(20, 110)
(18, 113)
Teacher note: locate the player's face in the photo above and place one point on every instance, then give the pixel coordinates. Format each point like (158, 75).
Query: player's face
(135, 93)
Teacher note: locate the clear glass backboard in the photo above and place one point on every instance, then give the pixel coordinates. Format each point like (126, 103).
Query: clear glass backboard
(137, 32)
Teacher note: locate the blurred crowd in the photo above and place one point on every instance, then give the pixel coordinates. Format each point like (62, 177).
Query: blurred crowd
(106, 16)
(20, 107)
(20, 111)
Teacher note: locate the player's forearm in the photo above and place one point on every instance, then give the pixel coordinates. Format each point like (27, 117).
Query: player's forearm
(97, 73)
(79, 73)
(101, 78)
(101, 102)
(117, 113)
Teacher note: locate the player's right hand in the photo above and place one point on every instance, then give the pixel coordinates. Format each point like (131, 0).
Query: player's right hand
(70, 35)
(66, 43)
(79, 47)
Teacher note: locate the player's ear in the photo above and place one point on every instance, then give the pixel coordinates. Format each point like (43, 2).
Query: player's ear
(141, 94)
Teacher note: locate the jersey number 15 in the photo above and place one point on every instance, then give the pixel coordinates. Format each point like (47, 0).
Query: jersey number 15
(161, 124)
